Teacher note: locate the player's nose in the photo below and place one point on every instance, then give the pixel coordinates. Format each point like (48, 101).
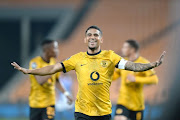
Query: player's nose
(92, 39)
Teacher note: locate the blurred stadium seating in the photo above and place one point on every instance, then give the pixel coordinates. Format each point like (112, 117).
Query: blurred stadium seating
(151, 22)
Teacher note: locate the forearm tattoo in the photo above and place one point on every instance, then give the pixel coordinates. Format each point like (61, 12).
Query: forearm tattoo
(139, 67)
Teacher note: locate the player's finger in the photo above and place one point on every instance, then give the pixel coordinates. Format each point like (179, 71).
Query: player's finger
(162, 55)
(15, 64)
(12, 63)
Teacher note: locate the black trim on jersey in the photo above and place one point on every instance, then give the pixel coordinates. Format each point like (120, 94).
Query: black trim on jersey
(64, 69)
(94, 53)
(117, 64)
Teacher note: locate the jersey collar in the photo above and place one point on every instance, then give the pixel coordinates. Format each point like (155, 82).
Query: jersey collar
(94, 53)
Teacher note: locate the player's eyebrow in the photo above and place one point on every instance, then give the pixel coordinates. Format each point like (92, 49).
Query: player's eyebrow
(96, 34)
(88, 34)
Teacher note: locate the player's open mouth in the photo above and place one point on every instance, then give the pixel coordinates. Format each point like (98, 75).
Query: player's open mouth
(92, 42)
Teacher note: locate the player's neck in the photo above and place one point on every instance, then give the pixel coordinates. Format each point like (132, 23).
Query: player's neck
(94, 51)
(45, 58)
(133, 57)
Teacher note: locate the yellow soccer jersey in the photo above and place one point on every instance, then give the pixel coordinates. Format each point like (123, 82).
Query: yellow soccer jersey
(94, 74)
(42, 95)
(131, 94)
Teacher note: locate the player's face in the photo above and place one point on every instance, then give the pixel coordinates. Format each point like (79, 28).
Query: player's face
(93, 38)
(127, 50)
(53, 50)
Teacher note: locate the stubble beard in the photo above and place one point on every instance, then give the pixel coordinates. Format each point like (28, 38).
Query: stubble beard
(92, 48)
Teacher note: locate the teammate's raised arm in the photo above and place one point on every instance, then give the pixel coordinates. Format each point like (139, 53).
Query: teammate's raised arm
(48, 70)
(140, 67)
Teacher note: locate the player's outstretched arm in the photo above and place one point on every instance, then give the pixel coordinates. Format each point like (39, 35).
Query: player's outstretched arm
(140, 67)
(48, 70)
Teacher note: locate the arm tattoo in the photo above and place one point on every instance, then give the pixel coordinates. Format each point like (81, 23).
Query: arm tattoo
(139, 67)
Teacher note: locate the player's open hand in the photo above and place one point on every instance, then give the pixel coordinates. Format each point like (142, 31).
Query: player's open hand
(159, 62)
(16, 66)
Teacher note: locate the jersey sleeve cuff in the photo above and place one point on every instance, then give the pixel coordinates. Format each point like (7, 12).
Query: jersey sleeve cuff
(64, 69)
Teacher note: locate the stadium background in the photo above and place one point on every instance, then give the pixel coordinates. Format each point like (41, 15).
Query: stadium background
(24, 24)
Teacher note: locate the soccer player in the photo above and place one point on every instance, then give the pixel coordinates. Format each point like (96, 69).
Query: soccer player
(130, 103)
(42, 95)
(94, 70)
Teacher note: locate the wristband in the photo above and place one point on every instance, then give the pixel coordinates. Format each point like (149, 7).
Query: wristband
(122, 63)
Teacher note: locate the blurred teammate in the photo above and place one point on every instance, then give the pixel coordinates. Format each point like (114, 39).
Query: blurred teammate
(42, 95)
(94, 70)
(130, 103)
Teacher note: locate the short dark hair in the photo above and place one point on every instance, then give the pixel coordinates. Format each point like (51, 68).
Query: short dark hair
(93, 27)
(133, 43)
(47, 41)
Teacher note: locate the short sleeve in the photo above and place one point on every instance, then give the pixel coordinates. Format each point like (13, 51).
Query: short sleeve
(118, 61)
(70, 63)
(115, 58)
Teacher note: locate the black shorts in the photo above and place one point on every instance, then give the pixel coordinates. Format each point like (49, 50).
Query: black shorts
(81, 116)
(47, 113)
(133, 115)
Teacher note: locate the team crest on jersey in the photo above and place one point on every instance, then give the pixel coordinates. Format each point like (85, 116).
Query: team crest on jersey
(104, 63)
(33, 65)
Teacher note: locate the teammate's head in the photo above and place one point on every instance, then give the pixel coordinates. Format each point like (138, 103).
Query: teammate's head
(130, 47)
(50, 48)
(93, 37)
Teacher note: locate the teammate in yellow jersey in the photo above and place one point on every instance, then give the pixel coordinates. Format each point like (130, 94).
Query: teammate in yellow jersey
(94, 70)
(42, 95)
(130, 103)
